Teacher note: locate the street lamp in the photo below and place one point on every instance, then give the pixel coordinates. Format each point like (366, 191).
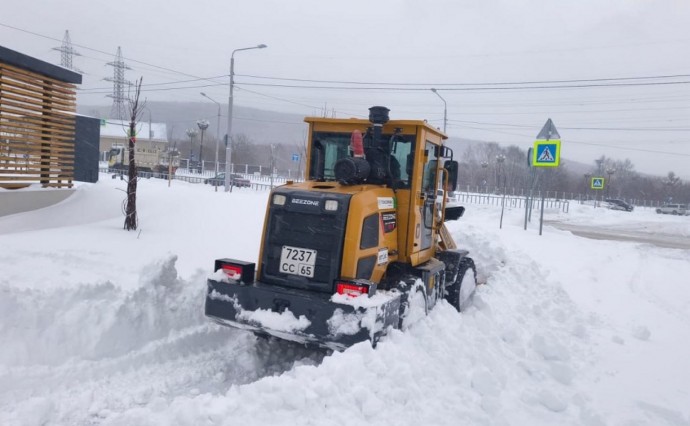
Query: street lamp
(500, 159)
(445, 109)
(228, 148)
(203, 125)
(217, 127)
(191, 133)
(609, 171)
(484, 165)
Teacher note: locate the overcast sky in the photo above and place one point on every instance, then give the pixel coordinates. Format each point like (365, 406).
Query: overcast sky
(468, 50)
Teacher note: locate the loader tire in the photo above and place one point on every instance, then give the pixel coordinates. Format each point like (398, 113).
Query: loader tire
(460, 293)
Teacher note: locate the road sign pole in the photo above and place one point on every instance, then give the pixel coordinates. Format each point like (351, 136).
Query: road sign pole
(541, 217)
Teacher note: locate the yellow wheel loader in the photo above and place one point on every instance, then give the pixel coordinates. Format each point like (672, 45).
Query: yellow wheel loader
(359, 247)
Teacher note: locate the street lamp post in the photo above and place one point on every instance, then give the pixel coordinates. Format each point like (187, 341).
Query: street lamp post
(191, 133)
(500, 172)
(485, 182)
(203, 125)
(609, 171)
(445, 109)
(217, 127)
(228, 148)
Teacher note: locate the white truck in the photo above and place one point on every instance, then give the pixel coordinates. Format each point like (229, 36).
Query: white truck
(155, 161)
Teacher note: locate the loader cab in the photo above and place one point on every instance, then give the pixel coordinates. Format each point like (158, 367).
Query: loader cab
(417, 165)
(116, 155)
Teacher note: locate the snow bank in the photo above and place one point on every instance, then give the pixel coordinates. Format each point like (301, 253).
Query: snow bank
(101, 326)
(52, 325)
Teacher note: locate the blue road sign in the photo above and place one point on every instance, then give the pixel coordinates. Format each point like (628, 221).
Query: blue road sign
(598, 183)
(295, 157)
(546, 153)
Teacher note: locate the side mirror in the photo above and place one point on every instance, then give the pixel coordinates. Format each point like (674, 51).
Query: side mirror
(454, 213)
(452, 167)
(446, 152)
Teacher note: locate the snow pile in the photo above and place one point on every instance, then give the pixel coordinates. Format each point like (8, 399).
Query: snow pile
(50, 326)
(101, 326)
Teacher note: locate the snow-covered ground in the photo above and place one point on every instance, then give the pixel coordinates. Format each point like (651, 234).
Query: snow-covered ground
(103, 326)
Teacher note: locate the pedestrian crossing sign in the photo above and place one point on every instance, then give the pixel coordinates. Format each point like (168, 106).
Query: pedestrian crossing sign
(598, 183)
(546, 153)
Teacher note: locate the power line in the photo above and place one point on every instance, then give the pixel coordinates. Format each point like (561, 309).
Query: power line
(97, 50)
(160, 84)
(630, 149)
(164, 89)
(624, 148)
(633, 129)
(467, 84)
(469, 89)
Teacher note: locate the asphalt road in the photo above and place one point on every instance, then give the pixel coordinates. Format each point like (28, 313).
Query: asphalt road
(599, 233)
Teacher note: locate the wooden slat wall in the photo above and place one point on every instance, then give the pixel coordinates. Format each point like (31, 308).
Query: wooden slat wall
(36, 129)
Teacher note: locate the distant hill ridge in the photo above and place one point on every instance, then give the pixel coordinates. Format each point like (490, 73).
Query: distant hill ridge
(261, 126)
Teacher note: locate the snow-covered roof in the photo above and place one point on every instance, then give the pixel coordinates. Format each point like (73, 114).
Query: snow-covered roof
(118, 129)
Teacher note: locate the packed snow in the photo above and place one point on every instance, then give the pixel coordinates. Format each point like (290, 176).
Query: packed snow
(104, 326)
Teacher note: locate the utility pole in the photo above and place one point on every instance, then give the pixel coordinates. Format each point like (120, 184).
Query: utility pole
(203, 125)
(191, 133)
(217, 129)
(228, 148)
(445, 109)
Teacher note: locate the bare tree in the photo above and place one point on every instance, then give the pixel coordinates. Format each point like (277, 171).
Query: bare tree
(131, 203)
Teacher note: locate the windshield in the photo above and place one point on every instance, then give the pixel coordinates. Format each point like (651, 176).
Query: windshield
(327, 148)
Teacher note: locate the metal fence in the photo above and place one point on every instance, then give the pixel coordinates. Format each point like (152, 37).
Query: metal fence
(257, 184)
(562, 195)
(514, 197)
(511, 201)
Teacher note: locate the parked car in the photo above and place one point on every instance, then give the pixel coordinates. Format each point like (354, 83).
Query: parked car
(235, 179)
(681, 209)
(616, 204)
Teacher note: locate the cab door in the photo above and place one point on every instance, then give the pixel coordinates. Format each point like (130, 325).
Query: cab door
(429, 185)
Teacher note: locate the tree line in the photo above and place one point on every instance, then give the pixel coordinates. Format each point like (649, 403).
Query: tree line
(491, 167)
(486, 167)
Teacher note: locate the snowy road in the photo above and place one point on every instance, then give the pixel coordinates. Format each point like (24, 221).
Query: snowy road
(625, 234)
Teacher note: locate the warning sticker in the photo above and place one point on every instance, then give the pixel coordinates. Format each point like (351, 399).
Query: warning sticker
(386, 203)
(390, 221)
(382, 256)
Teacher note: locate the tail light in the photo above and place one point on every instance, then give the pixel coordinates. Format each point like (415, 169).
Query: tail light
(355, 288)
(236, 270)
(233, 272)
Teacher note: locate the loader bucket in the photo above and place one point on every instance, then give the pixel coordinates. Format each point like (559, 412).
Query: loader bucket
(330, 321)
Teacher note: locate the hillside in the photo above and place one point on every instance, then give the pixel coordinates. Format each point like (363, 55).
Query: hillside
(261, 126)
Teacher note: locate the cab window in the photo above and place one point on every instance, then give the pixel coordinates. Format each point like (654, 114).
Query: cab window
(329, 147)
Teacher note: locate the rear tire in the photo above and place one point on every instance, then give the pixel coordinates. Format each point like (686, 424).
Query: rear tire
(461, 291)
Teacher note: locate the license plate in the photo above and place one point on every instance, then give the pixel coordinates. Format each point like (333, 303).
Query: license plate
(297, 261)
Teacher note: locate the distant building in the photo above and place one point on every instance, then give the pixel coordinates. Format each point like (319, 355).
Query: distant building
(151, 137)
